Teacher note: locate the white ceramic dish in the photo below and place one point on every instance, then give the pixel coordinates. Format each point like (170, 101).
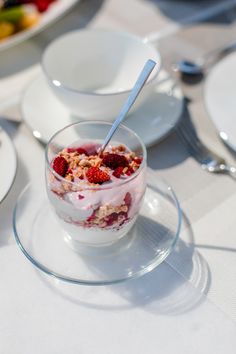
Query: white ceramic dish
(56, 10)
(220, 98)
(45, 115)
(8, 164)
(93, 71)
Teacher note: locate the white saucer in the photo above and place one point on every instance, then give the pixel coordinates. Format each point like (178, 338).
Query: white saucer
(44, 114)
(8, 164)
(220, 99)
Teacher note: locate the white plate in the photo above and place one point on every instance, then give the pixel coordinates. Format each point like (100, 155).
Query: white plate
(55, 11)
(220, 99)
(8, 164)
(44, 114)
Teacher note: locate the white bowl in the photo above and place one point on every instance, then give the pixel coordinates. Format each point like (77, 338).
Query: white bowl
(93, 71)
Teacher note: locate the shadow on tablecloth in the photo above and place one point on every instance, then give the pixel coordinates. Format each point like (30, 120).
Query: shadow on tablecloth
(177, 286)
(180, 10)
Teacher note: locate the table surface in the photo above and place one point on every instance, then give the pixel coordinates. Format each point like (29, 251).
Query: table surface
(188, 303)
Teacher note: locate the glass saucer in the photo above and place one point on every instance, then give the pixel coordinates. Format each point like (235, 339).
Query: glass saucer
(41, 239)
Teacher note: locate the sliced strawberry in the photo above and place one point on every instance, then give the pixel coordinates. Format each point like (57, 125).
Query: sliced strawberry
(42, 5)
(69, 150)
(78, 150)
(111, 219)
(92, 217)
(91, 149)
(95, 175)
(114, 160)
(130, 171)
(81, 151)
(60, 166)
(138, 160)
(128, 199)
(118, 172)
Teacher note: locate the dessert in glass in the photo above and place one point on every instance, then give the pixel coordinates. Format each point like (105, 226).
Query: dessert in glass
(96, 197)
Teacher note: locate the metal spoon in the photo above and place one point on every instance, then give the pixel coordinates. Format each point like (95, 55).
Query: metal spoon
(194, 68)
(142, 78)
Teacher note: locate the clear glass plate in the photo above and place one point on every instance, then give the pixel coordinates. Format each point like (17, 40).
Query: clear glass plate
(41, 239)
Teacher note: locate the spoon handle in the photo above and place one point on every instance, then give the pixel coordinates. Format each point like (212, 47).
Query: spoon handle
(147, 69)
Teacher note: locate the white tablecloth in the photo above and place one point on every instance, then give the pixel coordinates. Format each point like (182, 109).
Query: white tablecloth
(185, 305)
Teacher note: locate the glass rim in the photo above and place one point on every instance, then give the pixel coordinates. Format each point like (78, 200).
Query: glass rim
(100, 187)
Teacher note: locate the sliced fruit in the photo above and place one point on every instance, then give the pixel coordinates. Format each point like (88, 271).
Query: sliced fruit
(13, 14)
(96, 175)
(6, 29)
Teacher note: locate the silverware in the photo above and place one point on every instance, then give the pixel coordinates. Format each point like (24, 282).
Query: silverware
(209, 160)
(197, 67)
(142, 78)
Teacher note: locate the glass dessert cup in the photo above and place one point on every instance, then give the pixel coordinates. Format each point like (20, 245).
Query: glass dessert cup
(95, 213)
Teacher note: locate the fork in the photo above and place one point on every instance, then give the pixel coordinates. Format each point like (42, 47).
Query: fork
(209, 160)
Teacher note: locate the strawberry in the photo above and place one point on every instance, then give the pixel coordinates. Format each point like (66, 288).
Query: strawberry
(128, 199)
(92, 217)
(69, 150)
(60, 166)
(91, 149)
(138, 160)
(111, 219)
(114, 160)
(79, 150)
(95, 175)
(130, 171)
(42, 5)
(114, 217)
(118, 172)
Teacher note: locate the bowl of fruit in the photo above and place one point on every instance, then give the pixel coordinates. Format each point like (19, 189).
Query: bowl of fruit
(20, 19)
